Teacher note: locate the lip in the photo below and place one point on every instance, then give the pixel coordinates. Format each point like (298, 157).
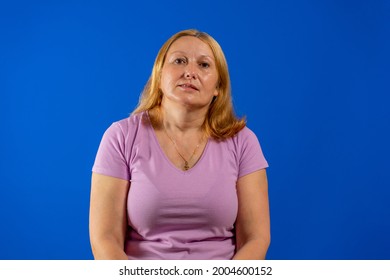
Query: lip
(187, 86)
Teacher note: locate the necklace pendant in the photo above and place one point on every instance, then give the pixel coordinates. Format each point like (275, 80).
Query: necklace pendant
(186, 166)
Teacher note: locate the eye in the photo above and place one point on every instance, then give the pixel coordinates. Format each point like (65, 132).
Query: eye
(204, 64)
(179, 60)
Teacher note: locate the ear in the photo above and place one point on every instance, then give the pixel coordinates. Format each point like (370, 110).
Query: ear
(216, 91)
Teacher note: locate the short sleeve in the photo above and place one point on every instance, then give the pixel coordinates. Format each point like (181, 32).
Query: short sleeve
(111, 157)
(251, 156)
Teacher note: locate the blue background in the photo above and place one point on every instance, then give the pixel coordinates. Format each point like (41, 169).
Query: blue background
(312, 77)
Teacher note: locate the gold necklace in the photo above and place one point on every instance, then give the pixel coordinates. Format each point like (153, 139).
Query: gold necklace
(186, 162)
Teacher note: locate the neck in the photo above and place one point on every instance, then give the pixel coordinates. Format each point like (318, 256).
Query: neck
(180, 133)
(181, 120)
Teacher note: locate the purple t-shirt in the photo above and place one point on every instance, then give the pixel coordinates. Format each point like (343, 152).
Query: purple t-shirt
(175, 214)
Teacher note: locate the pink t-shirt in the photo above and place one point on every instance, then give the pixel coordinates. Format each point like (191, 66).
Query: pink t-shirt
(175, 214)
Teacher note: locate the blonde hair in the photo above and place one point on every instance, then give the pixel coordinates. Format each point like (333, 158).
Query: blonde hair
(221, 121)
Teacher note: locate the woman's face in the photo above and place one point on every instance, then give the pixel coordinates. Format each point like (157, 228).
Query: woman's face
(189, 74)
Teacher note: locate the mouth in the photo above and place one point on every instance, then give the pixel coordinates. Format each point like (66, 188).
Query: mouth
(188, 86)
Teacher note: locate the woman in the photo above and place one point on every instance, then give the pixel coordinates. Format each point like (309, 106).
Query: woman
(182, 177)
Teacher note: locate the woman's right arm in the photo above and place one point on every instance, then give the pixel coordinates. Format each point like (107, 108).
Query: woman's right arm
(107, 217)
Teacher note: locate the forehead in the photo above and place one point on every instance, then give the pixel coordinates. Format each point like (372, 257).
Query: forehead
(192, 46)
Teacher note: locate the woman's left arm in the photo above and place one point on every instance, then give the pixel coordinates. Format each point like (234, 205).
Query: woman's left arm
(253, 221)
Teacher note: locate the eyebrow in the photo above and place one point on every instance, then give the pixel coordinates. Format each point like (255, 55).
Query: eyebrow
(202, 56)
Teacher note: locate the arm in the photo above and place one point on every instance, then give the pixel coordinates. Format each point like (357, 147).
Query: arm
(108, 218)
(253, 221)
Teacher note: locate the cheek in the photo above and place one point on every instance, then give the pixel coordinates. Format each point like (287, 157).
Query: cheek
(167, 77)
(212, 83)
(165, 81)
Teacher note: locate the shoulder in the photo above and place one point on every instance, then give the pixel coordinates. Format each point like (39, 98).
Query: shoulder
(250, 154)
(246, 132)
(130, 124)
(245, 136)
(120, 136)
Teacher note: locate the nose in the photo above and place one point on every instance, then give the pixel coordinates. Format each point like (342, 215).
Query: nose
(190, 72)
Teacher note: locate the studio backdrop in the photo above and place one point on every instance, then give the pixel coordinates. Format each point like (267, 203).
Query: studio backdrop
(311, 77)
